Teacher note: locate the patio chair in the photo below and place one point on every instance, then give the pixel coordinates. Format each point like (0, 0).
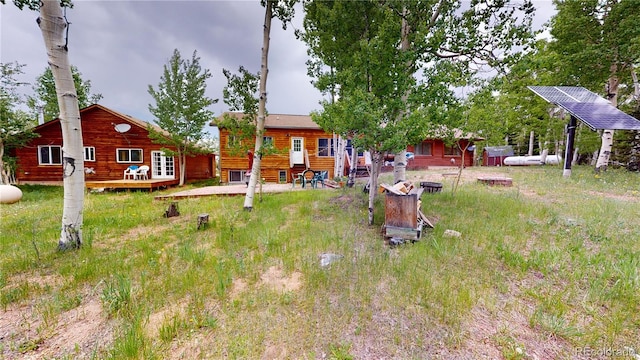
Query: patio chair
(318, 177)
(143, 173)
(131, 172)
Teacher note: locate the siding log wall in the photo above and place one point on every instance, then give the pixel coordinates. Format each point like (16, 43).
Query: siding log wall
(271, 165)
(98, 131)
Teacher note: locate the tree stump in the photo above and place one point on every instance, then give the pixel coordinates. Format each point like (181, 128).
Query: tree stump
(203, 220)
(172, 210)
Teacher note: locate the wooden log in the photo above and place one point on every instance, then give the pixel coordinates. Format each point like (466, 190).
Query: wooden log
(203, 220)
(424, 219)
(172, 210)
(496, 181)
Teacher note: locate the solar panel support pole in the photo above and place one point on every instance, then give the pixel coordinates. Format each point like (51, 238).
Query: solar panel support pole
(568, 155)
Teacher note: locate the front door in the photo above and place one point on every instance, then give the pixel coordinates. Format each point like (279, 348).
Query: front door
(162, 167)
(297, 150)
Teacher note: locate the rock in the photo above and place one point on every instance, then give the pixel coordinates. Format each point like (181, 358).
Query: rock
(452, 233)
(9, 194)
(327, 259)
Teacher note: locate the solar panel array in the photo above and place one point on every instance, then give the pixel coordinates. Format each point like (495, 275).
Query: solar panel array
(593, 110)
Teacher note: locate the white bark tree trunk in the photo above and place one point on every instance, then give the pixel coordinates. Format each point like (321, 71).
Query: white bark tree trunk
(354, 167)
(53, 26)
(531, 142)
(339, 154)
(376, 165)
(183, 168)
(636, 86)
(4, 177)
(400, 159)
(607, 135)
(264, 69)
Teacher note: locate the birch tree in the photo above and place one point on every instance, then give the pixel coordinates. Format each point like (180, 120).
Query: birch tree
(283, 10)
(381, 53)
(53, 25)
(598, 39)
(181, 108)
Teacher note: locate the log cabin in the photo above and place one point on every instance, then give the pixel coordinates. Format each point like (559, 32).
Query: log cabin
(112, 142)
(302, 144)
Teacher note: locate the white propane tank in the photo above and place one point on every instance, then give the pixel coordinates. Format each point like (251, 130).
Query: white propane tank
(9, 194)
(531, 160)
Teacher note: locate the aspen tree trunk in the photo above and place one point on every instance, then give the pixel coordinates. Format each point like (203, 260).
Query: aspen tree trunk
(376, 165)
(354, 167)
(264, 69)
(4, 177)
(183, 168)
(607, 135)
(340, 144)
(400, 159)
(531, 143)
(53, 27)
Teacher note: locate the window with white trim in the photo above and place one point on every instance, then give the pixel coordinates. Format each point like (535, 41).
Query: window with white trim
(89, 153)
(50, 155)
(326, 147)
(282, 176)
(129, 155)
(236, 176)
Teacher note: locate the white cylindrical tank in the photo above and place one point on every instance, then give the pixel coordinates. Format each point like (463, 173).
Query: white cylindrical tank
(531, 160)
(9, 194)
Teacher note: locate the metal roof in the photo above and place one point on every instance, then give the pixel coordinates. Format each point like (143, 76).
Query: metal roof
(506, 150)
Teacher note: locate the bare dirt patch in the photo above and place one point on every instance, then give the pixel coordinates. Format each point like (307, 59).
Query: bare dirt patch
(78, 332)
(276, 279)
(626, 197)
(238, 286)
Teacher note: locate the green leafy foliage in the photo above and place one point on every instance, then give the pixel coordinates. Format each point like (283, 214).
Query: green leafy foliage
(15, 125)
(46, 99)
(181, 108)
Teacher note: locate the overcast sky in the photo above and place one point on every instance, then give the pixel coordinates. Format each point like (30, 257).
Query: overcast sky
(122, 46)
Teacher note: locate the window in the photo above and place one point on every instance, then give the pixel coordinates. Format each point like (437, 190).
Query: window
(267, 141)
(129, 155)
(424, 148)
(89, 153)
(282, 176)
(326, 147)
(50, 155)
(236, 176)
(451, 150)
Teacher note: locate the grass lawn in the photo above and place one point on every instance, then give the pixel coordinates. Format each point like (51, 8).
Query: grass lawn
(546, 269)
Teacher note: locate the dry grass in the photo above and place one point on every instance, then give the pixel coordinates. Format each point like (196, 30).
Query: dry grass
(542, 268)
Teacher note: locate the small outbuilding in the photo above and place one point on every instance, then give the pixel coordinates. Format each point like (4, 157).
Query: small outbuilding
(495, 155)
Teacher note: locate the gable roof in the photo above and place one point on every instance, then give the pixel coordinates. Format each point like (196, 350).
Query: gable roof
(506, 150)
(277, 121)
(128, 118)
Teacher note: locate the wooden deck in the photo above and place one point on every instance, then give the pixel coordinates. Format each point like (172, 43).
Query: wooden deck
(152, 184)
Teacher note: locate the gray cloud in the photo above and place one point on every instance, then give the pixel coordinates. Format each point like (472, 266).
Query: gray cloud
(121, 46)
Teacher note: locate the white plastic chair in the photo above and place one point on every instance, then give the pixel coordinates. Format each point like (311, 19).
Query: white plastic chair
(131, 172)
(143, 173)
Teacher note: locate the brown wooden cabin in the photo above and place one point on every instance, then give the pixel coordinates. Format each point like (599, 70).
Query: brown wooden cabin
(112, 142)
(304, 145)
(301, 144)
(435, 152)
